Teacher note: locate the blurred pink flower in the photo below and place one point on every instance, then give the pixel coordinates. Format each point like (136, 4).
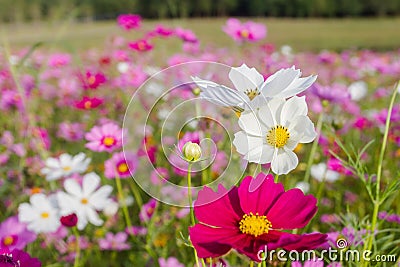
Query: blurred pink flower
(170, 262)
(114, 242)
(248, 31)
(14, 234)
(186, 35)
(18, 258)
(122, 164)
(88, 103)
(70, 131)
(141, 45)
(129, 21)
(93, 80)
(147, 210)
(59, 60)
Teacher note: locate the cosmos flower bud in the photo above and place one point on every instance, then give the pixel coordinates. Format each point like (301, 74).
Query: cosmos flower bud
(70, 220)
(191, 151)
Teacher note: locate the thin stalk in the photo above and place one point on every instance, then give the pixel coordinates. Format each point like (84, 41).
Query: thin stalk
(314, 147)
(121, 200)
(189, 184)
(78, 247)
(276, 178)
(136, 193)
(379, 171)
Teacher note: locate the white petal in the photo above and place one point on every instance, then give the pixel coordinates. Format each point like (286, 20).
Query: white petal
(224, 96)
(244, 143)
(99, 199)
(279, 81)
(244, 78)
(293, 107)
(284, 161)
(249, 123)
(266, 116)
(302, 129)
(72, 187)
(26, 213)
(65, 159)
(262, 154)
(299, 85)
(52, 163)
(90, 182)
(39, 201)
(93, 217)
(67, 203)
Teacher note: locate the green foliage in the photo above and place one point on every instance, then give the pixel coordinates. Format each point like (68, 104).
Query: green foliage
(33, 10)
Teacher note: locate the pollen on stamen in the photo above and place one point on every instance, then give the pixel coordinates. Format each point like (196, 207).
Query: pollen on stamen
(278, 136)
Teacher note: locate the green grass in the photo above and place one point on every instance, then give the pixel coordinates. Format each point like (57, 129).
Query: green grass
(301, 34)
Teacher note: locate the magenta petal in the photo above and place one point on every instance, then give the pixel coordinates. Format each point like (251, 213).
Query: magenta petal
(292, 210)
(209, 203)
(211, 242)
(307, 242)
(259, 199)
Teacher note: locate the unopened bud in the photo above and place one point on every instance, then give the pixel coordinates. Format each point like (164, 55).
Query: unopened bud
(191, 151)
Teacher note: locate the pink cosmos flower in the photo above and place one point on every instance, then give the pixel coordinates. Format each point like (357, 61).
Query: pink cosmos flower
(114, 242)
(186, 35)
(107, 137)
(147, 210)
(18, 258)
(88, 103)
(248, 31)
(70, 131)
(170, 262)
(162, 31)
(59, 60)
(121, 164)
(253, 216)
(129, 21)
(141, 45)
(93, 80)
(14, 234)
(136, 230)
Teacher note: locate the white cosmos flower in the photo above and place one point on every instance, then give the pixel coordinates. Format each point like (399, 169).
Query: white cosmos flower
(272, 132)
(321, 173)
(41, 214)
(358, 90)
(251, 89)
(65, 166)
(84, 200)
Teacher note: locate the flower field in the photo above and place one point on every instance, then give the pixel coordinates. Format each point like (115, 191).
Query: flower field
(163, 150)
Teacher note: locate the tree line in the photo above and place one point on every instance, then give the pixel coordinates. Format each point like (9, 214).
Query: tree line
(36, 10)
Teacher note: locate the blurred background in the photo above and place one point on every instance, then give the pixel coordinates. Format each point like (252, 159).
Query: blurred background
(305, 25)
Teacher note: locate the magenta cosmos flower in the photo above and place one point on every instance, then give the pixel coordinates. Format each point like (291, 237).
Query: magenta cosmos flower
(248, 31)
(14, 234)
(18, 258)
(252, 216)
(122, 164)
(129, 21)
(107, 137)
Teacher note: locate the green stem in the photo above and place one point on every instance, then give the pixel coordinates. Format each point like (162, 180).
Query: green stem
(189, 185)
(252, 264)
(78, 247)
(276, 178)
(314, 147)
(121, 200)
(264, 264)
(136, 193)
(379, 171)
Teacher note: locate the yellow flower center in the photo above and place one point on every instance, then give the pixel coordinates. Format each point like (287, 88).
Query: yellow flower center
(122, 168)
(91, 80)
(252, 93)
(244, 33)
(45, 215)
(278, 136)
(36, 190)
(8, 240)
(141, 46)
(108, 141)
(67, 168)
(255, 225)
(87, 104)
(84, 201)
